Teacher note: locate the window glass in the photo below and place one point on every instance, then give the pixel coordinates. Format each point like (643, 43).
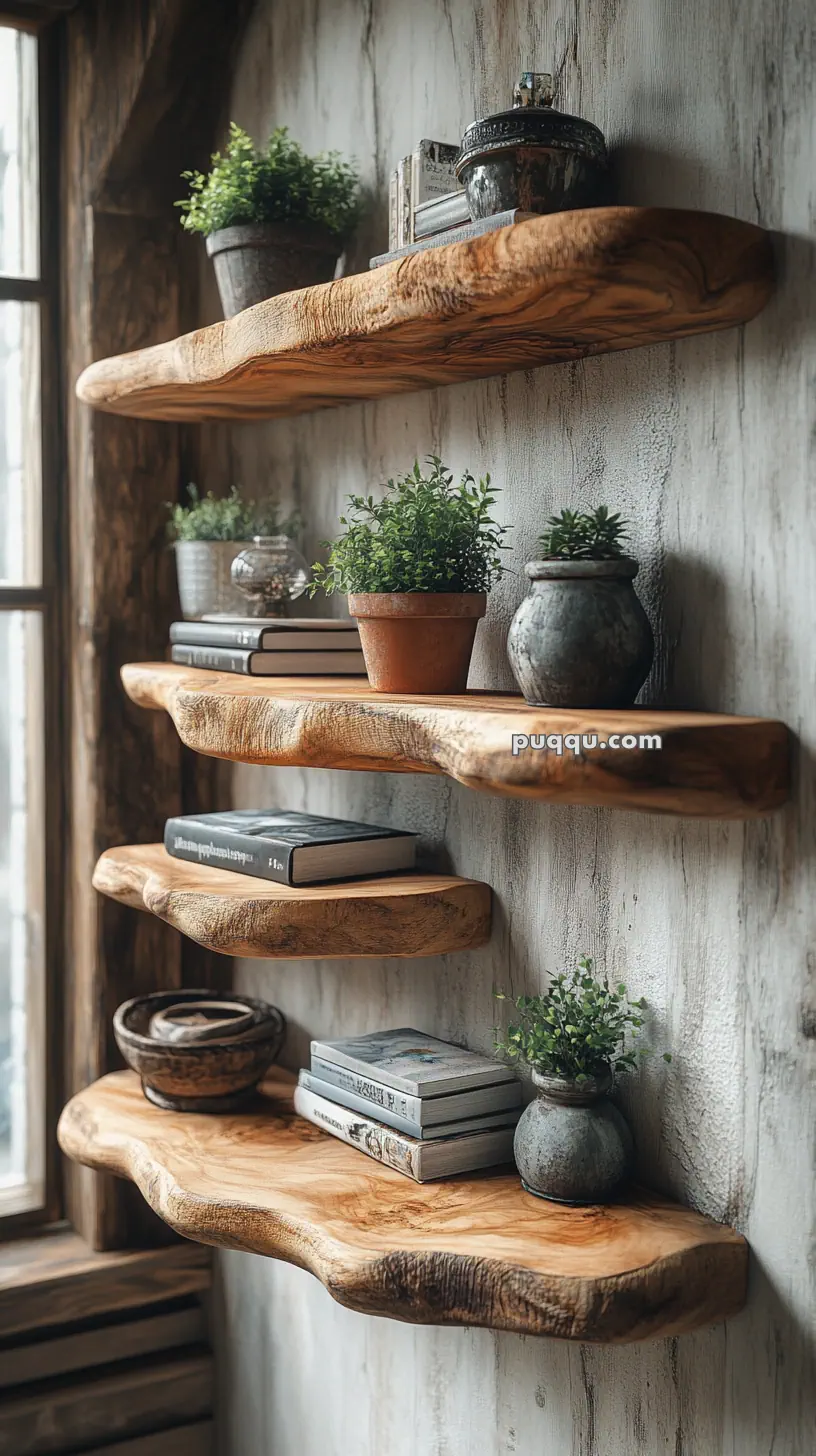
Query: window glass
(19, 169)
(22, 920)
(20, 453)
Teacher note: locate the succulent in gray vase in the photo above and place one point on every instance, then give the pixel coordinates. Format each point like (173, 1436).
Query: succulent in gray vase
(572, 1144)
(581, 639)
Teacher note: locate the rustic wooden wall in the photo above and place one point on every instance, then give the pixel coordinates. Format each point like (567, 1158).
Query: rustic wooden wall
(706, 445)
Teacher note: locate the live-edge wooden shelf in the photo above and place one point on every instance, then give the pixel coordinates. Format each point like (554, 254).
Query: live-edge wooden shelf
(396, 915)
(476, 1250)
(709, 765)
(547, 290)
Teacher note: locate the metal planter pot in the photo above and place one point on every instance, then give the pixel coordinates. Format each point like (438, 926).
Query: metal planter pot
(254, 261)
(204, 580)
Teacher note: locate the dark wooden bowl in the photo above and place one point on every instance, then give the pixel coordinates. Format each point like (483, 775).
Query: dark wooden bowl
(207, 1076)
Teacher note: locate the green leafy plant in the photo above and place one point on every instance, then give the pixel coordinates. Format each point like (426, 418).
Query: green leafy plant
(278, 183)
(227, 518)
(576, 1030)
(583, 536)
(427, 534)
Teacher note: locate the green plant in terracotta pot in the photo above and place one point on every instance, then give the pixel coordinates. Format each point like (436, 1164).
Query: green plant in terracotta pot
(417, 566)
(274, 218)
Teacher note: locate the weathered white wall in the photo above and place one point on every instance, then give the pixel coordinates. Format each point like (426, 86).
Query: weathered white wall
(706, 445)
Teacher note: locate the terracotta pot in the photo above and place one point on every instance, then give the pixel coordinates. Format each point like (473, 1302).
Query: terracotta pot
(417, 642)
(254, 261)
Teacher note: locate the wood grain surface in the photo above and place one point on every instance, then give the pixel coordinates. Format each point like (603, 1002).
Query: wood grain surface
(476, 1250)
(396, 915)
(710, 764)
(550, 289)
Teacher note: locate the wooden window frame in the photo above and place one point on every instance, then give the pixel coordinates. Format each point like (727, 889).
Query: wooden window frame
(47, 599)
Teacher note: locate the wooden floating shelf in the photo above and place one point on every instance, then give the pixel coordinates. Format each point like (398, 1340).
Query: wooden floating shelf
(409, 914)
(710, 764)
(541, 292)
(476, 1250)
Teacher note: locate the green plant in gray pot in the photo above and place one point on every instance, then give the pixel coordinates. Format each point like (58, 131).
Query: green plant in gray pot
(571, 1143)
(274, 218)
(581, 639)
(209, 533)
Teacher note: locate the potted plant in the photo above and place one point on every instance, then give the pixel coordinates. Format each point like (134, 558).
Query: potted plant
(210, 532)
(274, 219)
(571, 1143)
(581, 639)
(417, 566)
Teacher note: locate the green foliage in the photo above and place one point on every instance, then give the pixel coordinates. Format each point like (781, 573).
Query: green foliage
(577, 1030)
(582, 536)
(228, 518)
(278, 184)
(425, 535)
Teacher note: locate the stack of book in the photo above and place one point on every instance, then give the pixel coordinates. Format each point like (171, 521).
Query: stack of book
(427, 208)
(272, 647)
(424, 1107)
(424, 197)
(289, 847)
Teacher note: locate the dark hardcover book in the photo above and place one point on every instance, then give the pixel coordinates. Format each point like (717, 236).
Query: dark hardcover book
(291, 848)
(454, 235)
(411, 1061)
(270, 664)
(284, 636)
(454, 1127)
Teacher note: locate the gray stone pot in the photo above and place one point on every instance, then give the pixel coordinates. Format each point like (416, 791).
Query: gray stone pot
(581, 639)
(254, 261)
(572, 1144)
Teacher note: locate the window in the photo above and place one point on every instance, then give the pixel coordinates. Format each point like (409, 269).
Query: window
(29, 791)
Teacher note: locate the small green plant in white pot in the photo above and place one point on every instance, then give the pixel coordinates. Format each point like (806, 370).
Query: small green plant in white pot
(581, 639)
(274, 218)
(210, 532)
(417, 566)
(571, 1143)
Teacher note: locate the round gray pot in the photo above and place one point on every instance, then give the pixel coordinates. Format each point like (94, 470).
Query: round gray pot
(254, 261)
(572, 1144)
(581, 639)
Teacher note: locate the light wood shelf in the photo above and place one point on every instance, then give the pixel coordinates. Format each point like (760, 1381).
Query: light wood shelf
(411, 914)
(476, 1250)
(710, 764)
(547, 290)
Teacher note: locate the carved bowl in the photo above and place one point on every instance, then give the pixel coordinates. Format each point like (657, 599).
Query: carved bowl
(205, 1076)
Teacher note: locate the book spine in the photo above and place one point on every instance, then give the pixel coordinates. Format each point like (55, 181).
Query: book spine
(215, 635)
(453, 235)
(244, 853)
(356, 1102)
(404, 205)
(436, 217)
(398, 1104)
(221, 659)
(393, 212)
(370, 1137)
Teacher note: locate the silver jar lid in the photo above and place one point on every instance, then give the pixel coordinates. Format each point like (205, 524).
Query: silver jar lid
(531, 122)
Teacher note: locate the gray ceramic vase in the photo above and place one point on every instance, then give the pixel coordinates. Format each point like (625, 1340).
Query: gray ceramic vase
(254, 261)
(572, 1144)
(581, 639)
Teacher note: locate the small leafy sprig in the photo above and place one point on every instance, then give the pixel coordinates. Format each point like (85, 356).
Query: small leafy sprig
(278, 183)
(578, 1029)
(427, 534)
(227, 518)
(583, 536)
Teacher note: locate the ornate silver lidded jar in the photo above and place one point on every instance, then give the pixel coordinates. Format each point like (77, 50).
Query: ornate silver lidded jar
(571, 1143)
(269, 573)
(532, 158)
